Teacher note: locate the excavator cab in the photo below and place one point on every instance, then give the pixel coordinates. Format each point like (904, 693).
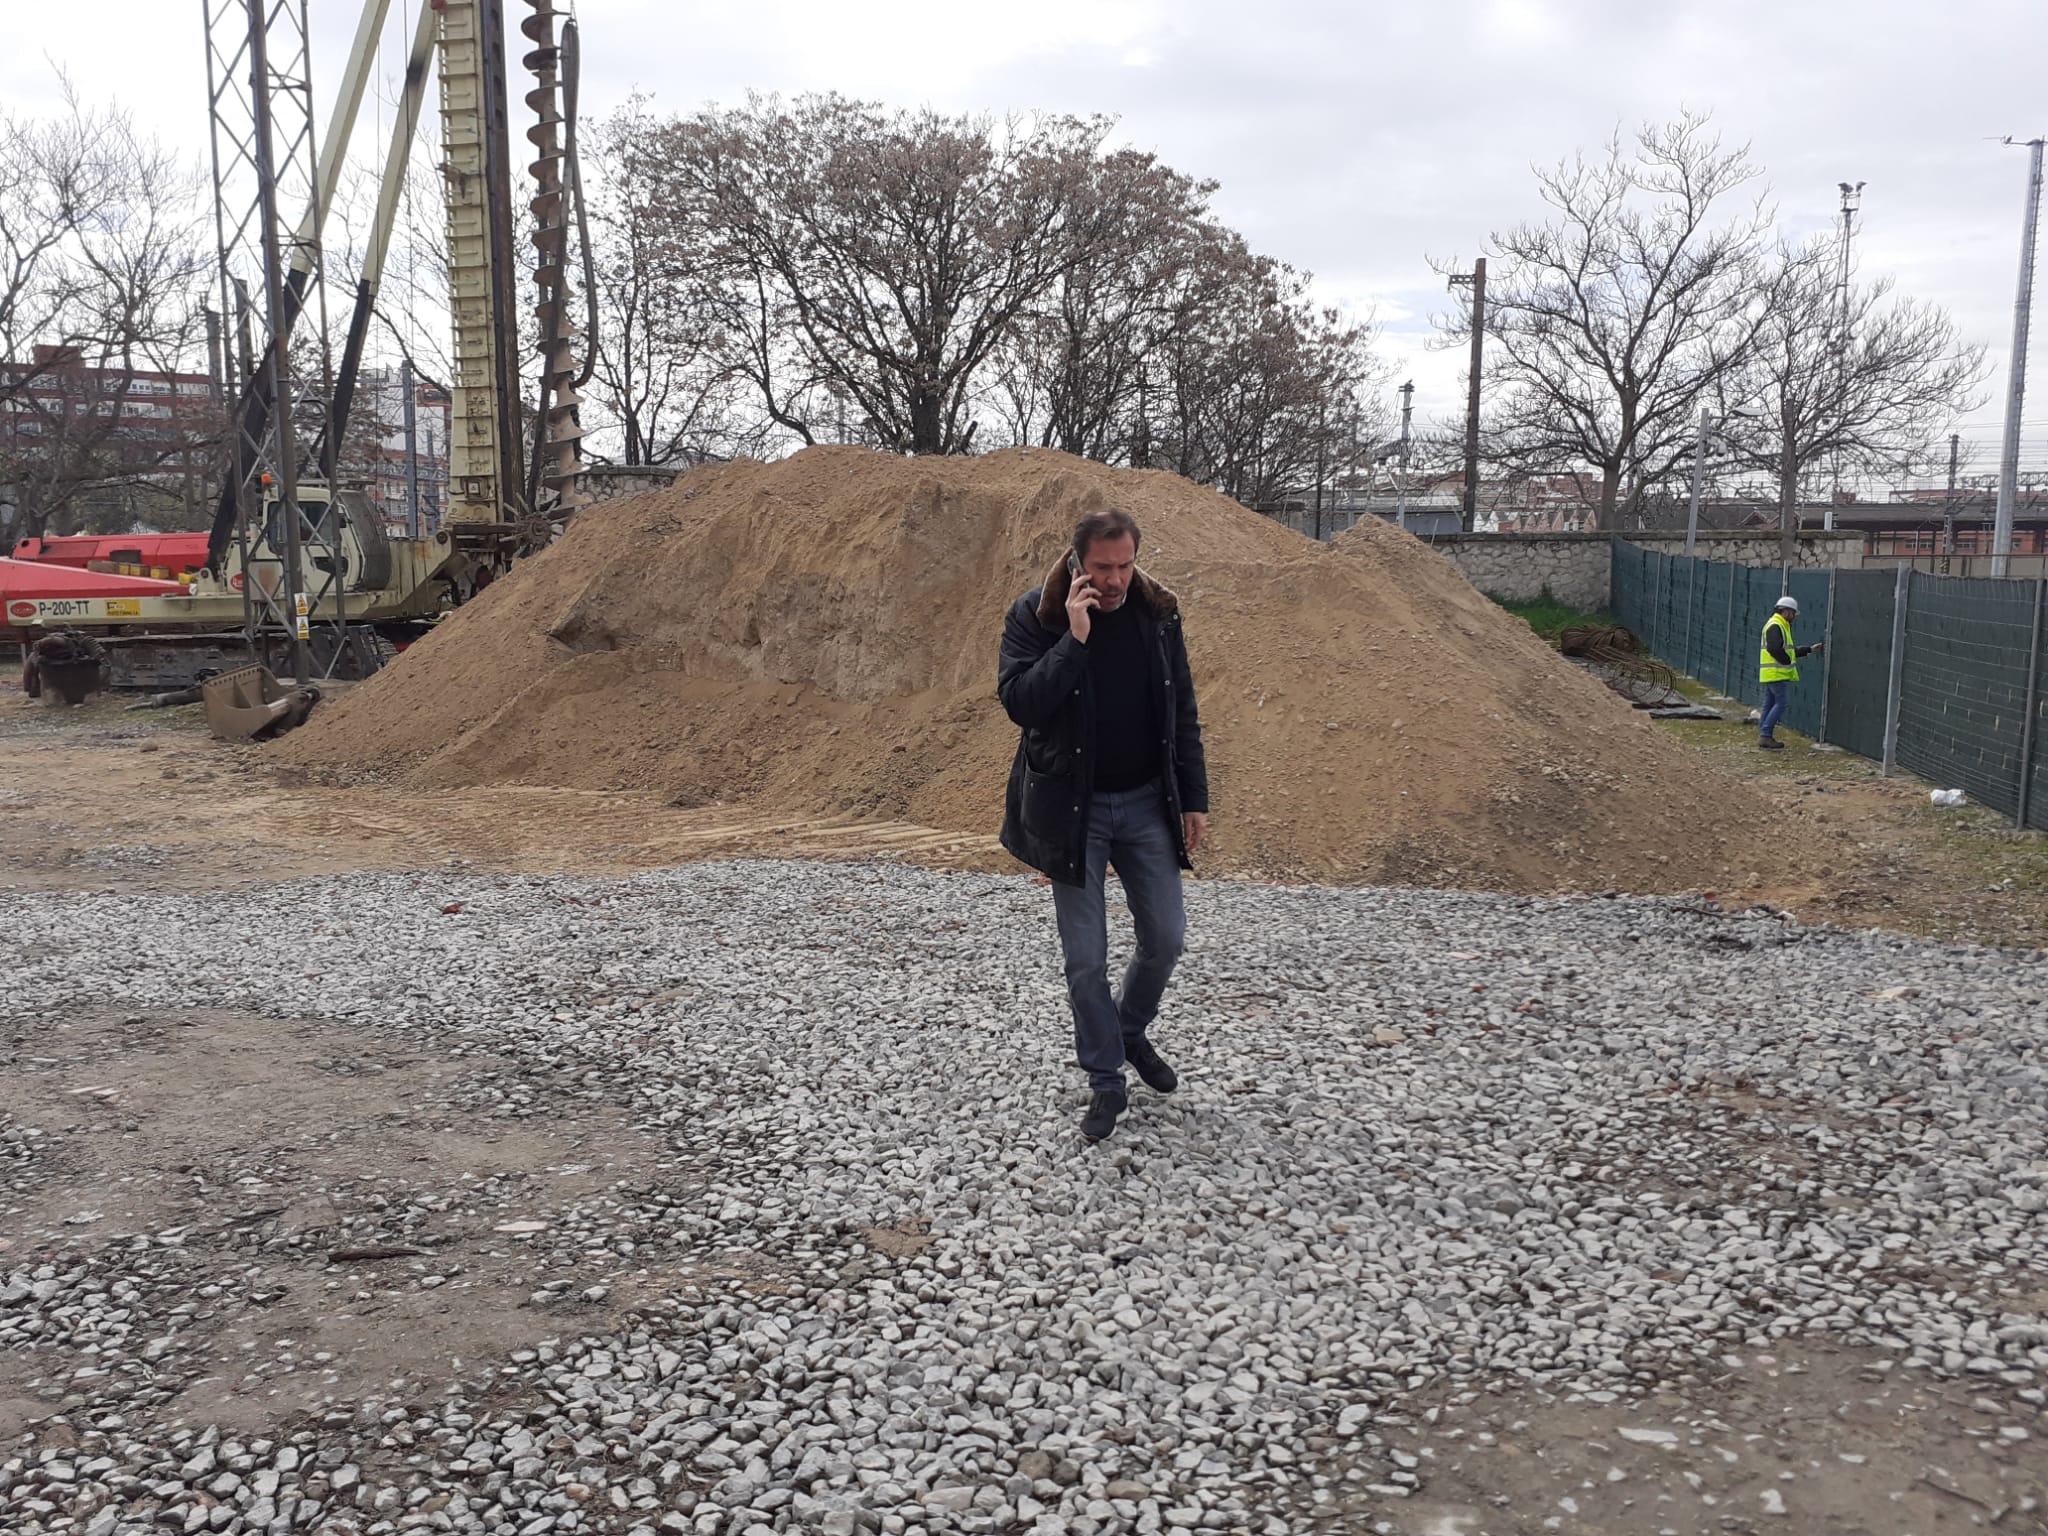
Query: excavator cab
(341, 540)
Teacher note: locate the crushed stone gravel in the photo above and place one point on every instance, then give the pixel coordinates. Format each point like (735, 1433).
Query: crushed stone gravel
(1422, 1138)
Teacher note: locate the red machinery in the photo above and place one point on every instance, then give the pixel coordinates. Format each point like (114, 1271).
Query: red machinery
(161, 555)
(34, 593)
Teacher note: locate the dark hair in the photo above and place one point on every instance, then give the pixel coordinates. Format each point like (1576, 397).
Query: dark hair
(1109, 523)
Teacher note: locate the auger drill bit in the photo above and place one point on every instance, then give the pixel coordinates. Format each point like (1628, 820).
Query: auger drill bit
(558, 460)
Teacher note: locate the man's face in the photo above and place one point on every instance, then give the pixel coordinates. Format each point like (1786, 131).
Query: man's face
(1109, 564)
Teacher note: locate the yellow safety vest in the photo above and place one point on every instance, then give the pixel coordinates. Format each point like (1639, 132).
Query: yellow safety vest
(1768, 670)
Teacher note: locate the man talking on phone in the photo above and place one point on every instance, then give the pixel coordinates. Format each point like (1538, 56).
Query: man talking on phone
(1109, 771)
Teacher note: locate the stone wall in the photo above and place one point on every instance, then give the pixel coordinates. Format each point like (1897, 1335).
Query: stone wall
(1573, 567)
(608, 482)
(1816, 550)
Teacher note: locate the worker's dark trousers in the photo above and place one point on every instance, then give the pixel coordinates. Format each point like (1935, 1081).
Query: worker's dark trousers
(1777, 698)
(1130, 831)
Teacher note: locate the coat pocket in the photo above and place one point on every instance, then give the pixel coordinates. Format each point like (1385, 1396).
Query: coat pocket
(1048, 755)
(1051, 803)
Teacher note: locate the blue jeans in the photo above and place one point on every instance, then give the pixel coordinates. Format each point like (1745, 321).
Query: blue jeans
(1129, 830)
(1777, 699)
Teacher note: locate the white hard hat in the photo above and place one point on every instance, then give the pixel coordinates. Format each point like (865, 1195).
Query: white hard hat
(1789, 601)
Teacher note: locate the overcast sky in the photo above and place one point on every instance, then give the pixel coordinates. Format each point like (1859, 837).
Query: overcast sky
(1356, 141)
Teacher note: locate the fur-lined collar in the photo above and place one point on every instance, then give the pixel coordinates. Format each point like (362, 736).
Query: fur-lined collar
(1052, 602)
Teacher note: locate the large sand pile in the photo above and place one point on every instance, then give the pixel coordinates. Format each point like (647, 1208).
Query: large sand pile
(819, 635)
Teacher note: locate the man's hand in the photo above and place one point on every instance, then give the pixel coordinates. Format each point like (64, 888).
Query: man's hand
(1081, 603)
(1194, 829)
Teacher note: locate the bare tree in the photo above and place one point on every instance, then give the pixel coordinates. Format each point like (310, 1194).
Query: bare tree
(1088, 345)
(885, 255)
(1858, 378)
(666, 386)
(410, 318)
(1610, 323)
(1261, 386)
(96, 446)
(931, 284)
(102, 278)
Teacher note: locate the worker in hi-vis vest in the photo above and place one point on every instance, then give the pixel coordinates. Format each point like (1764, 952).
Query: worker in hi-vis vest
(1778, 669)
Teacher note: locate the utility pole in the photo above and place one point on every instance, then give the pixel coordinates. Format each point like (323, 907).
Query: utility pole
(1699, 466)
(1948, 504)
(1322, 441)
(437, 491)
(412, 453)
(1357, 452)
(1476, 280)
(1141, 434)
(1401, 490)
(1852, 199)
(2009, 462)
(216, 363)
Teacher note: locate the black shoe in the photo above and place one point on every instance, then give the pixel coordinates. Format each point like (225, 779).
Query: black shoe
(1151, 1066)
(1771, 744)
(1100, 1120)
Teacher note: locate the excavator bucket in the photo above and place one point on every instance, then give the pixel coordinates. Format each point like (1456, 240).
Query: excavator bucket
(248, 704)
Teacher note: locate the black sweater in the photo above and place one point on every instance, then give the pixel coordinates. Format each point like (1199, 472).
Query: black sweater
(1126, 712)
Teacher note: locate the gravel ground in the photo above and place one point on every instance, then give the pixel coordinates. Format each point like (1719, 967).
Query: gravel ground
(1427, 1148)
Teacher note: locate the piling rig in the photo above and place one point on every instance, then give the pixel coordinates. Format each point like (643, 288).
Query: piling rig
(301, 575)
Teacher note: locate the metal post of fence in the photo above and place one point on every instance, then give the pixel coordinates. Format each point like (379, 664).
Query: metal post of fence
(1692, 603)
(1662, 606)
(1827, 651)
(1664, 614)
(1728, 639)
(1902, 592)
(2031, 704)
(1684, 656)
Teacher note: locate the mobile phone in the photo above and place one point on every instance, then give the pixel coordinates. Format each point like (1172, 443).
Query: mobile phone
(1074, 564)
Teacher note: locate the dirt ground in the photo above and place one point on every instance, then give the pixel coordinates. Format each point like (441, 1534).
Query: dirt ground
(1894, 860)
(338, 1193)
(97, 797)
(100, 797)
(361, 1213)
(1806, 1439)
